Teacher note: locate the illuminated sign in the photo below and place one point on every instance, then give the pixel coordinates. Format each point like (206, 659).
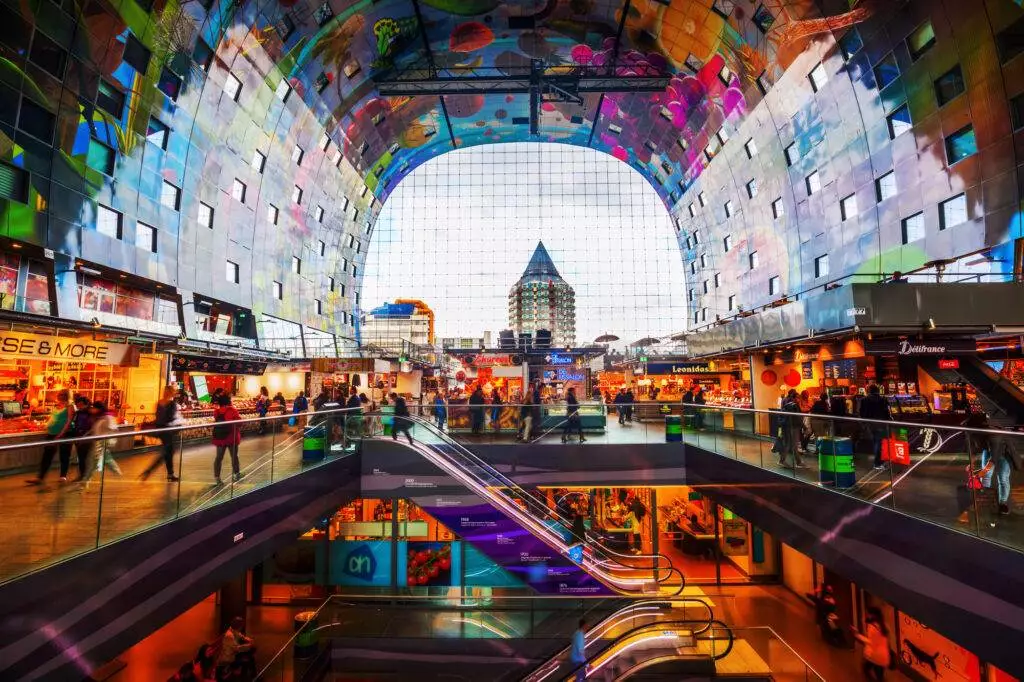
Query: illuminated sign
(492, 361)
(949, 363)
(558, 359)
(569, 375)
(360, 563)
(64, 348)
(680, 368)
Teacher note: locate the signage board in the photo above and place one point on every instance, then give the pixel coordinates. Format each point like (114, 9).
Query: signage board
(921, 347)
(558, 359)
(680, 368)
(949, 363)
(15, 345)
(563, 374)
(342, 365)
(490, 360)
(360, 563)
(197, 363)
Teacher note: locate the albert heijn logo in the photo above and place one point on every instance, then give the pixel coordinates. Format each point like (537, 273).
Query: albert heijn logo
(360, 563)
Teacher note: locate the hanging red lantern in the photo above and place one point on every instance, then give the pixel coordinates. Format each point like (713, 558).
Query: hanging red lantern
(792, 378)
(769, 377)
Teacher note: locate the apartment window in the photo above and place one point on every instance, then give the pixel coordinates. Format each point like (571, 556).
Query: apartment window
(848, 207)
(157, 133)
(363, 192)
(813, 182)
(135, 54)
(722, 135)
(205, 215)
(272, 214)
(689, 295)
(1017, 111)
(792, 154)
(778, 208)
(953, 211)
(696, 316)
(169, 84)
(355, 273)
(886, 71)
(774, 285)
(49, 55)
(913, 228)
(718, 279)
(350, 240)
(703, 314)
(325, 142)
(323, 247)
(703, 200)
(238, 190)
(885, 186)
(696, 237)
(693, 211)
(297, 194)
(231, 272)
(278, 291)
(679, 227)
(752, 188)
(319, 306)
(921, 40)
(949, 86)
(330, 284)
(750, 147)
(232, 86)
(296, 265)
(297, 154)
(108, 222)
(323, 14)
(818, 77)
(753, 259)
(703, 260)
(899, 122)
(763, 84)
(728, 209)
(704, 284)
(727, 243)
(259, 161)
(732, 301)
(283, 90)
(319, 214)
(851, 43)
(203, 54)
(961, 144)
(821, 266)
(170, 196)
(145, 237)
(110, 99)
(693, 267)
(689, 243)
(100, 157)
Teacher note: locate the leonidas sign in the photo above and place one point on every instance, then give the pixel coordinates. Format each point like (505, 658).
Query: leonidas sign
(66, 349)
(918, 347)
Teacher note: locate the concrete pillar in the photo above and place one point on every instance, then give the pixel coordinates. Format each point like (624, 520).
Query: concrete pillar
(232, 601)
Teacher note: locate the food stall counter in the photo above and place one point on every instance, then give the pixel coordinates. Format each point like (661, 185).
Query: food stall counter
(592, 416)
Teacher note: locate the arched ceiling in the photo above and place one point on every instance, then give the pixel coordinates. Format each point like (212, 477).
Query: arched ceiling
(712, 51)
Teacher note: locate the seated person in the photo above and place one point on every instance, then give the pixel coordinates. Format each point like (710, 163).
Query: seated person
(236, 650)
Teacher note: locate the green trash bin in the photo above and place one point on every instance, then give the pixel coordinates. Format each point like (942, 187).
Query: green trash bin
(307, 641)
(673, 428)
(835, 462)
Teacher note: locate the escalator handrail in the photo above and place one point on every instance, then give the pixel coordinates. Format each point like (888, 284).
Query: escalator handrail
(556, 659)
(661, 624)
(546, 511)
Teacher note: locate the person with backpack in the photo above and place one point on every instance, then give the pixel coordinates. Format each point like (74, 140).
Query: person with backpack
(792, 428)
(402, 422)
(572, 417)
(440, 411)
(874, 406)
(262, 407)
(166, 417)
(226, 437)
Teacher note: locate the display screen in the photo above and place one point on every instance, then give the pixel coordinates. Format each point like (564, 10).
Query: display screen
(11, 408)
(199, 384)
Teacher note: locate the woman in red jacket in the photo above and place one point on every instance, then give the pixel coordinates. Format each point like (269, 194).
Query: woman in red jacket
(226, 436)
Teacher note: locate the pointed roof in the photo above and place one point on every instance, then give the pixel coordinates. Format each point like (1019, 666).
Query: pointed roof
(540, 264)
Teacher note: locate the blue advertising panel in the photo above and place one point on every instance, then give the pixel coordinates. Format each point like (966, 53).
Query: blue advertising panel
(482, 571)
(361, 563)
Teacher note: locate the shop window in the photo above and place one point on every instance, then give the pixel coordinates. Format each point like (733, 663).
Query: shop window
(753, 259)
(297, 194)
(731, 301)
(792, 154)
(100, 157)
(774, 285)
(110, 99)
(821, 266)
(203, 55)
(105, 296)
(921, 40)
(961, 144)
(703, 200)
(232, 86)
(953, 211)
(170, 196)
(319, 306)
(718, 279)
(778, 208)
(727, 242)
(259, 161)
(885, 186)
(818, 77)
(278, 291)
(752, 188)
(108, 221)
(1017, 111)
(750, 147)
(848, 207)
(48, 55)
(205, 215)
(851, 43)
(693, 211)
(238, 190)
(145, 237)
(319, 214)
(886, 71)
(913, 228)
(283, 90)
(231, 272)
(813, 182)
(949, 86)
(296, 265)
(899, 122)
(36, 120)
(272, 214)
(169, 84)
(728, 209)
(135, 54)
(13, 183)
(297, 155)
(157, 133)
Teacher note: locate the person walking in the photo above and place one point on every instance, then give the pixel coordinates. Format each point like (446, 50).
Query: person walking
(226, 437)
(875, 639)
(81, 424)
(299, 408)
(572, 417)
(166, 416)
(402, 422)
(103, 424)
(354, 416)
(476, 410)
(535, 412)
(496, 404)
(874, 406)
(578, 652)
(620, 405)
(699, 401)
(262, 407)
(525, 418)
(630, 400)
(440, 411)
(57, 430)
(791, 430)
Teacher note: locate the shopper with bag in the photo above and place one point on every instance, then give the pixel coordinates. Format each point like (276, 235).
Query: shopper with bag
(166, 417)
(226, 437)
(875, 407)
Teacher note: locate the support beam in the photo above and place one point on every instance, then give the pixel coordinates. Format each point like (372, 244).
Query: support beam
(519, 85)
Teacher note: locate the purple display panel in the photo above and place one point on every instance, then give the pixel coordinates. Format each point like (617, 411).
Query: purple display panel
(518, 551)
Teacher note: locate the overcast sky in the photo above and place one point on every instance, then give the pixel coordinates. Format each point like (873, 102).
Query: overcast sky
(458, 232)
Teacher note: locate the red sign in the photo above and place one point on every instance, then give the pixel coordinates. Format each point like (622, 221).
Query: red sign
(492, 361)
(949, 363)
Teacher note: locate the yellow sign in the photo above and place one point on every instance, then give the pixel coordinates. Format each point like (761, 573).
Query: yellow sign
(66, 349)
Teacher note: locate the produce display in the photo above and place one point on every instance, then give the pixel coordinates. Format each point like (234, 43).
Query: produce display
(22, 425)
(429, 563)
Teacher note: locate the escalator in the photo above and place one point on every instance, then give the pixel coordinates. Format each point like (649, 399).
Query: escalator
(1002, 401)
(518, 531)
